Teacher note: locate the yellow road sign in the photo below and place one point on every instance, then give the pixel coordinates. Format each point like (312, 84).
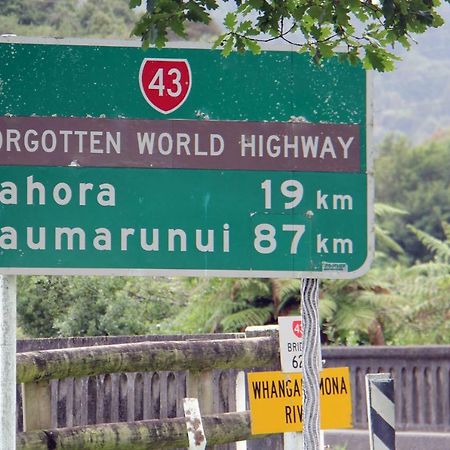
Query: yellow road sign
(276, 401)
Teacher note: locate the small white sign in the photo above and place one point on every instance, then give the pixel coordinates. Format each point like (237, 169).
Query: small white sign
(291, 343)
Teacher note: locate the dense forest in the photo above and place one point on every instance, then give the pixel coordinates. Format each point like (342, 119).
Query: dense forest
(405, 297)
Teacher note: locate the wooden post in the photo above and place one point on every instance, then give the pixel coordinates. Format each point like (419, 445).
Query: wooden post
(195, 430)
(293, 441)
(36, 398)
(200, 385)
(241, 403)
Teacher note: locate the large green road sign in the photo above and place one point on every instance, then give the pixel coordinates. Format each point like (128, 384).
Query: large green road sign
(115, 160)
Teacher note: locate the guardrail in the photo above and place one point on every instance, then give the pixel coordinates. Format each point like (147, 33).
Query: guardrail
(142, 381)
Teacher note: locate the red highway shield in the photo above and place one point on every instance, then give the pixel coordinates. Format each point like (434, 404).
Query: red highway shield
(165, 83)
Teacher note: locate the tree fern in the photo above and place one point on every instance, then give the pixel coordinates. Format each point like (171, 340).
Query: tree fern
(354, 306)
(247, 317)
(446, 228)
(252, 287)
(441, 249)
(383, 239)
(383, 209)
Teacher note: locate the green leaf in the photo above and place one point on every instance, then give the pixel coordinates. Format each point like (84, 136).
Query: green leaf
(228, 47)
(252, 32)
(230, 21)
(315, 12)
(178, 27)
(405, 42)
(353, 57)
(379, 59)
(298, 12)
(256, 4)
(326, 50)
(239, 44)
(372, 60)
(316, 32)
(142, 26)
(211, 4)
(324, 24)
(253, 46)
(161, 39)
(244, 26)
(354, 4)
(350, 30)
(325, 33)
(196, 13)
(438, 21)
(388, 10)
(244, 9)
(219, 41)
(342, 14)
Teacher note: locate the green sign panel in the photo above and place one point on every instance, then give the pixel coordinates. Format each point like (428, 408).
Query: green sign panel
(118, 161)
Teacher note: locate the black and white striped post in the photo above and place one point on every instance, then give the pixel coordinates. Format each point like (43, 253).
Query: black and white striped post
(381, 411)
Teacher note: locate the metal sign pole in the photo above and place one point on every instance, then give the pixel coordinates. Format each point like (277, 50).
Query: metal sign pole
(312, 362)
(8, 362)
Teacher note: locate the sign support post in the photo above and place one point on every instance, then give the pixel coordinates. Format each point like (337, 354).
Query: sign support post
(7, 362)
(312, 362)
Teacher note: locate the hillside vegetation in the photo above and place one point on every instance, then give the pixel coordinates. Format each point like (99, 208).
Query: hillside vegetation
(111, 19)
(414, 99)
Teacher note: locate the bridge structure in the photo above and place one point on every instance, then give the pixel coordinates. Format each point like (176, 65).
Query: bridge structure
(91, 385)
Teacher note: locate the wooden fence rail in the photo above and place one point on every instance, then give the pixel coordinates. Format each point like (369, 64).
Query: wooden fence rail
(146, 357)
(143, 435)
(38, 370)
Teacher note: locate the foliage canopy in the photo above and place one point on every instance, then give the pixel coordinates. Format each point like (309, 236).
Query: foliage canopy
(96, 306)
(368, 29)
(414, 178)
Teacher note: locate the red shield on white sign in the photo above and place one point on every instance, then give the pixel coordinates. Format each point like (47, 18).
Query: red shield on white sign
(165, 83)
(297, 328)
